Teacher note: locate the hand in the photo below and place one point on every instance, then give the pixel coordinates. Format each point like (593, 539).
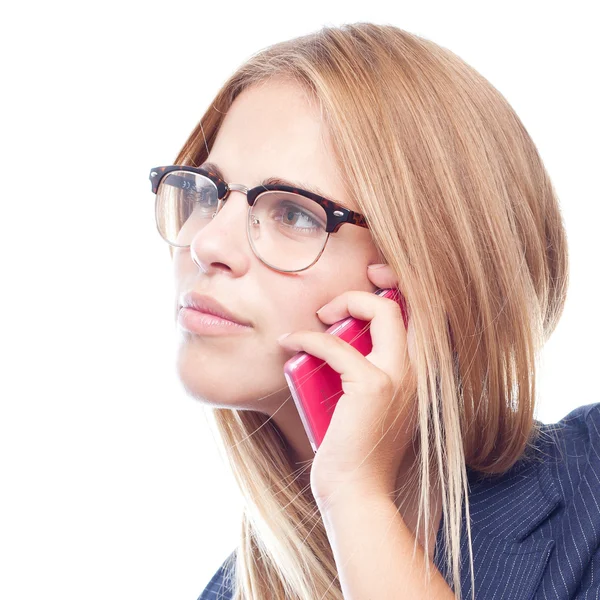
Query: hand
(372, 424)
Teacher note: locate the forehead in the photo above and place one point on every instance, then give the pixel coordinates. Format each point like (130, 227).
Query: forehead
(273, 129)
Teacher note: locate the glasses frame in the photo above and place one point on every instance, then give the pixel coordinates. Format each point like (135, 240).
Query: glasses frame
(337, 215)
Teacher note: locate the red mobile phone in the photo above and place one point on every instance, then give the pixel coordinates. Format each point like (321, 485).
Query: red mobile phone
(315, 386)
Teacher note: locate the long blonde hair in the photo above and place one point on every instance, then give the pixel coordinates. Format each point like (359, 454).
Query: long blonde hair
(461, 207)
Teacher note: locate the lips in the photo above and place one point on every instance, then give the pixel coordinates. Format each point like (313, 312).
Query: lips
(208, 304)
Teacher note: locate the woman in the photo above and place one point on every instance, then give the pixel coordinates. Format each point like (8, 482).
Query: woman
(433, 454)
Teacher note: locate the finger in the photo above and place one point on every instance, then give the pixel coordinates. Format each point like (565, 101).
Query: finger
(387, 330)
(383, 277)
(338, 308)
(339, 355)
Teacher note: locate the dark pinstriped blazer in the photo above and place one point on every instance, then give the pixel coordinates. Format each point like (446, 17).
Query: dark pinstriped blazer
(535, 529)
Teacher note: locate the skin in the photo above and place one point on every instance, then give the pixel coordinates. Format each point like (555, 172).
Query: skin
(270, 130)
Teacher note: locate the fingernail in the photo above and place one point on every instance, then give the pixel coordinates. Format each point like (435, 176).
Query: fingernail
(283, 336)
(377, 266)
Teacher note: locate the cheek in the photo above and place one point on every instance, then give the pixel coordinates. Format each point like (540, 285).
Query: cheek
(349, 273)
(294, 306)
(291, 302)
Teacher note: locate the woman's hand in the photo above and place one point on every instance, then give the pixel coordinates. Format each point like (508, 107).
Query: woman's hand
(372, 424)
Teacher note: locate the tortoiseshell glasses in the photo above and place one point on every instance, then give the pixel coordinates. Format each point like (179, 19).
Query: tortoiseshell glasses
(287, 227)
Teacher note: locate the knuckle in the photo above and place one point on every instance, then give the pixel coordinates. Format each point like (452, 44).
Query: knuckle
(394, 306)
(383, 383)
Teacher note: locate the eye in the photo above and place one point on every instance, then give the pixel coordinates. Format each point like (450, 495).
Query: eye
(293, 216)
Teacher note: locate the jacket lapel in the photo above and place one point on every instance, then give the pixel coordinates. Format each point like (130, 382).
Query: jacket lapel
(506, 510)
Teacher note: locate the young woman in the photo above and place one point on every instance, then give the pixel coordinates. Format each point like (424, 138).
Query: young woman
(434, 480)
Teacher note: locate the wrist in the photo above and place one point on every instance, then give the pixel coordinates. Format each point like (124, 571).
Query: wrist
(343, 500)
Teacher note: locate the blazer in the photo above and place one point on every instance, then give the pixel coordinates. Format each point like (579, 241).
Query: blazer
(535, 528)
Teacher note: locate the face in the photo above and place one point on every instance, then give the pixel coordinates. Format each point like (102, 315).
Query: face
(270, 130)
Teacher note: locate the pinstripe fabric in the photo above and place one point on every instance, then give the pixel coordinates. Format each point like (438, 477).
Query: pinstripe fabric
(535, 529)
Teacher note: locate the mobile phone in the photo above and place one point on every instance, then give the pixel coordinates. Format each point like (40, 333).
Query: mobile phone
(315, 386)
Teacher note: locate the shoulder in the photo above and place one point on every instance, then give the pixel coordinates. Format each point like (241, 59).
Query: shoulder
(536, 527)
(572, 449)
(561, 466)
(220, 585)
(580, 422)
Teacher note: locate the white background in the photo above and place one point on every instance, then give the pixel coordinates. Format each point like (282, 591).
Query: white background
(111, 486)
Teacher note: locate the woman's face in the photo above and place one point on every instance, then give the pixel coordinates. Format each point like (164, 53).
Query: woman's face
(271, 130)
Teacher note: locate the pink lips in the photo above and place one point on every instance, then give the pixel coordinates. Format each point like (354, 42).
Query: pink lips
(209, 305)
(206, 324)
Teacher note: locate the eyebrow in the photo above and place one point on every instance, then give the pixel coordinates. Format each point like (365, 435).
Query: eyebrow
(278, 181)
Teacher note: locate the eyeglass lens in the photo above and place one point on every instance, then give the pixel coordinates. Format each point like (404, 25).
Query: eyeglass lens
(285, 230)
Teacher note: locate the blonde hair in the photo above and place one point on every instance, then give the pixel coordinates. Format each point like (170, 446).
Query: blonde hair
(461, 207)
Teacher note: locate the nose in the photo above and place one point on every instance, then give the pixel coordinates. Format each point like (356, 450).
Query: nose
(232, 187)
(223, 240)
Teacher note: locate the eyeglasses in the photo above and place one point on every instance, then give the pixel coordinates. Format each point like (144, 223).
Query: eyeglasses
(287, 227)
